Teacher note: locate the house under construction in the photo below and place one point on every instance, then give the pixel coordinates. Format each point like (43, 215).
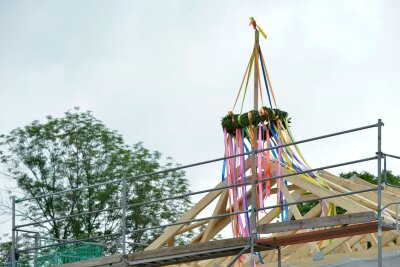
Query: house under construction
(265, 181)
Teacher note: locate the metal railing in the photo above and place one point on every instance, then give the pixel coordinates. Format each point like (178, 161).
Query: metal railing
(250, 181)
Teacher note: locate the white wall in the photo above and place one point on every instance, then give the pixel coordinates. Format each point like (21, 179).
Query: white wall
(389, 260)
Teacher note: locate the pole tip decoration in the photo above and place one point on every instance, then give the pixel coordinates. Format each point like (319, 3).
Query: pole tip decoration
(256, 27)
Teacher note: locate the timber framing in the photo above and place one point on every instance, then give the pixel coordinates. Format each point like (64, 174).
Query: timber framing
(345, 235)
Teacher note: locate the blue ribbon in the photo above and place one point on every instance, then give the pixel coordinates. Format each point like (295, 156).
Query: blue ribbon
(265, 78)
(223, 170)
(259, 254)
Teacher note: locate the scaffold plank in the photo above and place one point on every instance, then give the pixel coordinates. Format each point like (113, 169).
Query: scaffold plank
(192, 252)
(350, 230)
(320, 222)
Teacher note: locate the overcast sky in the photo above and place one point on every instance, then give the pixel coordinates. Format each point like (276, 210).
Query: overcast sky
(165, 72)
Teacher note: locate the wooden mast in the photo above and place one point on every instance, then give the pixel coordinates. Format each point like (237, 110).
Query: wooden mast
(256, 44)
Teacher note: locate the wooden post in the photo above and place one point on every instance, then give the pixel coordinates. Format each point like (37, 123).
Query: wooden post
(256, 44)
(253, 214)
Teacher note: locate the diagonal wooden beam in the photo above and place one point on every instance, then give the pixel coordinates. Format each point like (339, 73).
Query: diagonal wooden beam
(368, 199)
(221, 223)
(337, 242)
(191, 227)
(219, 209)
(319, 191)
(196, 209)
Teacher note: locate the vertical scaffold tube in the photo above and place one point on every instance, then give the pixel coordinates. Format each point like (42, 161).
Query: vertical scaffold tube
(253, 216)
(14, 245)
(379, 154)
(123, 223)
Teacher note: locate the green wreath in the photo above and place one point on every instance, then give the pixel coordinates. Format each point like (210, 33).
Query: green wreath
(238, 121)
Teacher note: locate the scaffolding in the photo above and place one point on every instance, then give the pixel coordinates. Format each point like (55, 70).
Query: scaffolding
(377, 219)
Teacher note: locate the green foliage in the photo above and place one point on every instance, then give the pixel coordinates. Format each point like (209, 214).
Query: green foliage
(363, 175)
(306, 207)
(78, 150)
(388, 175)
(5, 247)
(237, 121)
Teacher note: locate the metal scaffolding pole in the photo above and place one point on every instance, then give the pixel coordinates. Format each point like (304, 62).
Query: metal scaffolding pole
(123, 221)
(14, 245)
(36, 250)
(279, 257)
(253, 216)
(379, 208)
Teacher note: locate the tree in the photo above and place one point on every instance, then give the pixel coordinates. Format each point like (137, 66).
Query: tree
(78, 150)
(5, 247)
(371, 178)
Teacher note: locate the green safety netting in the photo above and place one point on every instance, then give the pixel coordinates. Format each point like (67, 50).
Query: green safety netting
(58, 253)
(68, 253)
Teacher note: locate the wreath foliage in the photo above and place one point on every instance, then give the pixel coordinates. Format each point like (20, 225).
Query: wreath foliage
(238, 121)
